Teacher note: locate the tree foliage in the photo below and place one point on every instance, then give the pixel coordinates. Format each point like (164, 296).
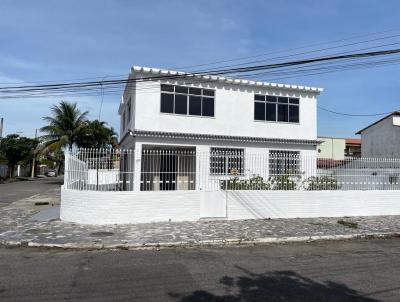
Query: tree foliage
(17, 149)
(68, 127)
(96, 134)
(65, 126)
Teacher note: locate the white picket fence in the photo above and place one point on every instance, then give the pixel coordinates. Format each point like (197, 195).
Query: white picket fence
(229, 169)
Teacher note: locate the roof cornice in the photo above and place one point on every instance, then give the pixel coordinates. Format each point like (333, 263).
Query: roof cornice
(197, 136)
(221, 79)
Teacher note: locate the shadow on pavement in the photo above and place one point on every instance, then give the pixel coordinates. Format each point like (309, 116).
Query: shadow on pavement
(275, 286)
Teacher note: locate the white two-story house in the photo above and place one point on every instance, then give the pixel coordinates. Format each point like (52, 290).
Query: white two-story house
(206, 116)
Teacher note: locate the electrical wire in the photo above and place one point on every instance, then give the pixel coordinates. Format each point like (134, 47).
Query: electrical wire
(353, 56)
(355, 115)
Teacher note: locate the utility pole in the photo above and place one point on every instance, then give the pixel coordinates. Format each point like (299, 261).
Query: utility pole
(1, 127)
(34, 159)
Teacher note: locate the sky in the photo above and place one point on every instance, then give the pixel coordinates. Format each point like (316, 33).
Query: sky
(67, 40)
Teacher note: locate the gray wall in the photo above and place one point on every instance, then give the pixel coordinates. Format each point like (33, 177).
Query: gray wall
(382, 139)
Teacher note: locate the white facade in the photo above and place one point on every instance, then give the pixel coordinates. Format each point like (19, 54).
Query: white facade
(233, 124)
(382, 139)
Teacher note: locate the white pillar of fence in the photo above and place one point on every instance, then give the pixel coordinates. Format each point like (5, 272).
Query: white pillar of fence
(137, 167)
(66, 169)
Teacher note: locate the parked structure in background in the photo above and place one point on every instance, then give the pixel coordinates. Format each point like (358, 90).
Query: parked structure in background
(215, 115)
(382, 138)
(335, 148)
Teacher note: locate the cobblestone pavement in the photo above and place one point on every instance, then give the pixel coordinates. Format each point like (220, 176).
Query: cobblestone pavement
(17, 229)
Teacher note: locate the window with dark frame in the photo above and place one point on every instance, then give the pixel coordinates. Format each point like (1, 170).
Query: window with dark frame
(187, 100)
(283, 162)
(224, 161)
(276, 109)
(129, 110)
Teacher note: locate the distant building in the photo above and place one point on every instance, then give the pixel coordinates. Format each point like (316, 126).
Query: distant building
(353, 147)
(338, 148)
(382, 138)
(331, 148)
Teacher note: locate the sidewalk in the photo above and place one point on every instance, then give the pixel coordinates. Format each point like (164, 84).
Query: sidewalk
(18, 229)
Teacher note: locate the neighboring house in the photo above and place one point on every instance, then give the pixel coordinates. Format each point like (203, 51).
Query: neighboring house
(331, 148)
(338, 148)
(382, 138)
(204, 114)
(353, 147)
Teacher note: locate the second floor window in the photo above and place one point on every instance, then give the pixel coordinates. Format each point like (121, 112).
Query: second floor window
(187, 100)
(276, 109)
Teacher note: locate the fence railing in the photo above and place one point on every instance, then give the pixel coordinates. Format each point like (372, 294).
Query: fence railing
(156, 169)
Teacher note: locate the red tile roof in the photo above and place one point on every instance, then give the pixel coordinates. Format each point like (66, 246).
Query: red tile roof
(353, 141)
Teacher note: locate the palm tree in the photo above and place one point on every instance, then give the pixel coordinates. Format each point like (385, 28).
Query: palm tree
(64, 127)
(96, 134)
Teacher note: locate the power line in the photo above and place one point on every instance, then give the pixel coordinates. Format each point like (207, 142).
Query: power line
(248, 57)
(353, 56)
(297, 54)
(315, 51)
(290, 49)
(351, 114)
(337, 53)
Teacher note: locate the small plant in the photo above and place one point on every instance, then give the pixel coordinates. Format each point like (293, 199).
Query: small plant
(256, 182)
(393, 179)
(285, 182)
(318, 183)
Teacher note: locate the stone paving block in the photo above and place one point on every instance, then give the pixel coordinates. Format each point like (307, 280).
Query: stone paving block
(17, 229)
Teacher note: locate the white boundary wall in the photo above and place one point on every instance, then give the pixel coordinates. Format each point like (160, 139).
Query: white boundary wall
(93, 207)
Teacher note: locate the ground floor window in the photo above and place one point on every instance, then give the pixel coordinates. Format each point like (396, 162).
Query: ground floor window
(225, 161)
(168, 168)
(284, 162)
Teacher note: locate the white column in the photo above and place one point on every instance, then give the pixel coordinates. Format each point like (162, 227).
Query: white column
(137, 166)
(202, 167)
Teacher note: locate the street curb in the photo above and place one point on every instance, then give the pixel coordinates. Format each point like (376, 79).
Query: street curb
(202, 243)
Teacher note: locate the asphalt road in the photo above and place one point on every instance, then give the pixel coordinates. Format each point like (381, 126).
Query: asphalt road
(366, 270)
(10, 192)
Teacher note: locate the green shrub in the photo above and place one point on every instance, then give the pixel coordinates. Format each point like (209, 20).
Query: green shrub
(317, 183)
(280, 182)
(284, 182)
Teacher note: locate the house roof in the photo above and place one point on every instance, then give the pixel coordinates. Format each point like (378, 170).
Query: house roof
(395, 113)
(222, 79)
(353, 141)
(197, 136)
